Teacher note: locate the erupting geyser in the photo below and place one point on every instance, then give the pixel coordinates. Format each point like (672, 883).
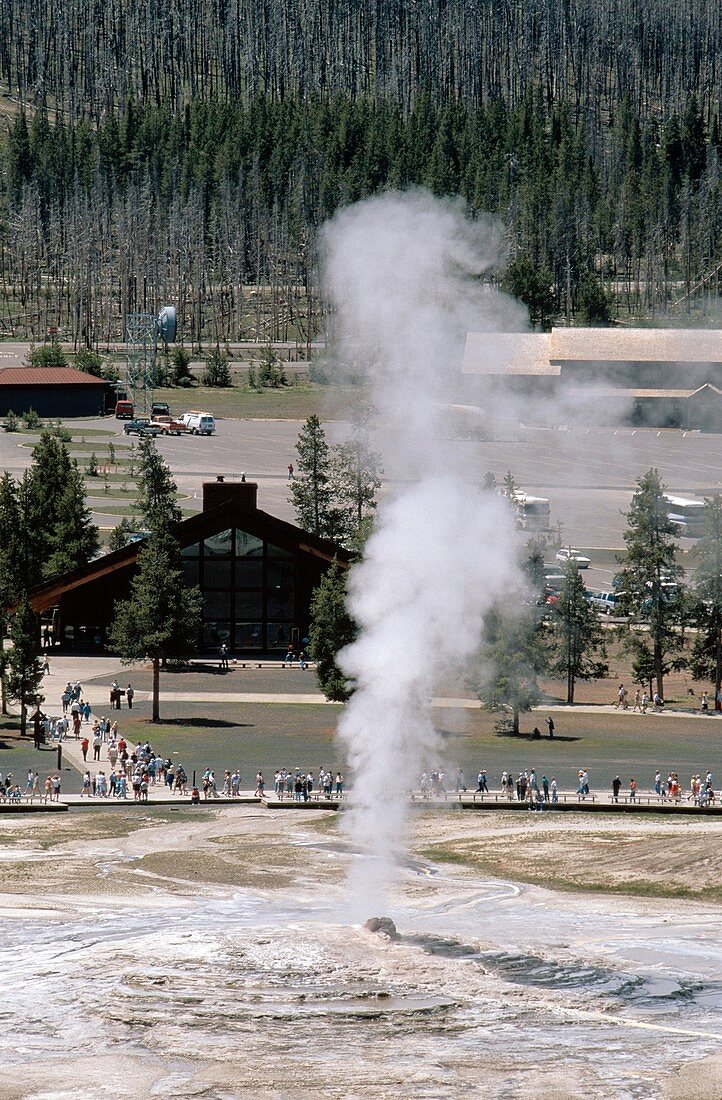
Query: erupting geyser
(403, 273)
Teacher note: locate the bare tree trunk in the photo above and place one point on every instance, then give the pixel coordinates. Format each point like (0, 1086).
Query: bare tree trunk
(156, 689)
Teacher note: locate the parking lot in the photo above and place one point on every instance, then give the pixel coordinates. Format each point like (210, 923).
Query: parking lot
(588, 475)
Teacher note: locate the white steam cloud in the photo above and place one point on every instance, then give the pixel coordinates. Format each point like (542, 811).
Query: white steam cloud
(403, 273)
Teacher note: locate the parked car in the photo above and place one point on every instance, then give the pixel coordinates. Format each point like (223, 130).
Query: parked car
(169, 426)
(199, 423)
(158, 409)
(124, 410)
(552, 576)
(605, 601)
(141, 425)
(567, 554)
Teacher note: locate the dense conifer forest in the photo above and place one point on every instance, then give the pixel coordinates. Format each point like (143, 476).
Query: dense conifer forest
(188, 151)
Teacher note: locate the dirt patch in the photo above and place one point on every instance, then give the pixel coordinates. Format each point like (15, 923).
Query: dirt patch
(646, 858)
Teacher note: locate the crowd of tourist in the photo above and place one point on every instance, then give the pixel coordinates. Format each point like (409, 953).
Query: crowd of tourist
(527, 786)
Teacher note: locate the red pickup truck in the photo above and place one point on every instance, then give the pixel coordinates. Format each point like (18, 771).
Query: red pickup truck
(169, 425)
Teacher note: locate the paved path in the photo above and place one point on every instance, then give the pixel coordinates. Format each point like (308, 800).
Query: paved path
(110, 668)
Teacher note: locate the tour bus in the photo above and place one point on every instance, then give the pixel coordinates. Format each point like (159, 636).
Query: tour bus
(534, 513)
(687, 516)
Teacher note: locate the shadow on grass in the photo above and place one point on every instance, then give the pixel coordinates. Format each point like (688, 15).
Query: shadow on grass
(530, 737)
(205, 723)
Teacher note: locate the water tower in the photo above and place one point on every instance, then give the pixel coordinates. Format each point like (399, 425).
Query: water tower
(143, 332)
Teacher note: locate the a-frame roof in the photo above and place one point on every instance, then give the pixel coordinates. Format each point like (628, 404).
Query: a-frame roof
(219, 517)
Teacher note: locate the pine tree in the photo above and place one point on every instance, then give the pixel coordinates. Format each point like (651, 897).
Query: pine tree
(74, 539)
(332, 628)
(160, 619)
(89, 361)
(511, 661)
(181, 360)
(157, 492)
(355, 479)
(49, 355)
(11, 537)
(706, 657)
(25, 670)
(311, 487)
(649, 568)
(217, 372)
(578, 638)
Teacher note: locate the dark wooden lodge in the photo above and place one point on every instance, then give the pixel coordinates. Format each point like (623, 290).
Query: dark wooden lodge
(256, 572)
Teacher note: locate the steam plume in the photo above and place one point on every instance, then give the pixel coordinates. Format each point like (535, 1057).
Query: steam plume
(402, 270)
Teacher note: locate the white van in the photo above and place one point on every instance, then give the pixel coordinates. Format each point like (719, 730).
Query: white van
(199, 423)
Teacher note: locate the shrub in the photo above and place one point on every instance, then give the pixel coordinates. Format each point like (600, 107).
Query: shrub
(89, 361)
(217, 372)
(10, 423)
(31, 419)
(49, 355)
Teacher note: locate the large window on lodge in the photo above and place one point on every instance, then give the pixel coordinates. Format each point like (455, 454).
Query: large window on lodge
(248, 589)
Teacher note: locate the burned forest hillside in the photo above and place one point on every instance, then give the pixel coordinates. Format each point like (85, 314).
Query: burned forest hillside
(189, 151)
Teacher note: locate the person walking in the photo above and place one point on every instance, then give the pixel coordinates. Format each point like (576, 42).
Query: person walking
(545, 788)
(223, 654)
(290, 471)
(84, 745)
(554, 790)
(130, 695)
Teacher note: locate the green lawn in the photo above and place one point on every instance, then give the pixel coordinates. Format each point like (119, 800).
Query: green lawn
(288, 403)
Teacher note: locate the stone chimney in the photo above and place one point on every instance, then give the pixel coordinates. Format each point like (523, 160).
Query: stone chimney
(244, 494)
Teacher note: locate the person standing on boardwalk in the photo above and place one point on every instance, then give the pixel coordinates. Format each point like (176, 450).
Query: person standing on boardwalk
(632, 789)
(616, 787)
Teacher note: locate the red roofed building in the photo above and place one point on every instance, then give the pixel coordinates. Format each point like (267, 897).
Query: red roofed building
(53, 391)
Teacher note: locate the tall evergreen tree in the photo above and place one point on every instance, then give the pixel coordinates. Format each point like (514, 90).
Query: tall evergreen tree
(25, 669)
(332, 628)
(160, 619)
(11, 539)
(649, 569)
(355, 479)
(511, 660)
(74, 539)
(157, 491)
(578, 651)
(311, 488)
(706, 657)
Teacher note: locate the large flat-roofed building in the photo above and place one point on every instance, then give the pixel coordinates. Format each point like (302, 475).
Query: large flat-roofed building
(654, 377)
(257, 574)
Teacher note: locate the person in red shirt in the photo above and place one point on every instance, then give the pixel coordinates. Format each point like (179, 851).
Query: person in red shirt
(84, 747)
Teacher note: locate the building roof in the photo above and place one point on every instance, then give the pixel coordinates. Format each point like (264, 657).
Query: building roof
(48, 376)
(218, 517)
(636, 345)
(509, 353)
(621, 392)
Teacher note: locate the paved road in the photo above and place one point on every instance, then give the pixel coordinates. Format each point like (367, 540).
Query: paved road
(588, 475)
